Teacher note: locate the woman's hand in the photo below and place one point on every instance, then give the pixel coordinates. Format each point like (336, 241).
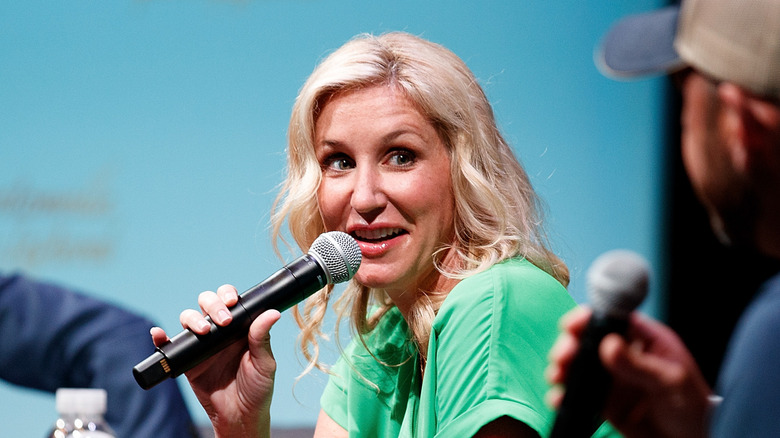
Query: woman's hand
(657, 388)
(234, 386)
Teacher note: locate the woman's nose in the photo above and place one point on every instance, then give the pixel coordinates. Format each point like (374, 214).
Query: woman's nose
(368, 194)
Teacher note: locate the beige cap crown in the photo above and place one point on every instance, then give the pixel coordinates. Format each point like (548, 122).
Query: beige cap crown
(733, 40)
(730, 40)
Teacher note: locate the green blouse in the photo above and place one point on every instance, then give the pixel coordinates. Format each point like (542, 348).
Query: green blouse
(486, 359)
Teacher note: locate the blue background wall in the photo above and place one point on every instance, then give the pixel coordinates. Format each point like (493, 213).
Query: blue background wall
(141, 143)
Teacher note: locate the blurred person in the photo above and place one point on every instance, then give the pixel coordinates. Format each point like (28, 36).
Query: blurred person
(725, 56)
(456, 302)
(54, 338)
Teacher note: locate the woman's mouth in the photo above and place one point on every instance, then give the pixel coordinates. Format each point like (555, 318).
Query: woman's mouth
(377, 235)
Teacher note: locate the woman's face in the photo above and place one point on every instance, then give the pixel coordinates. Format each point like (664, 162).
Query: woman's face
(386, 182)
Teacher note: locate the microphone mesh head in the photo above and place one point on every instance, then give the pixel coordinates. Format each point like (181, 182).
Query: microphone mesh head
(339, 253)
(617, 282)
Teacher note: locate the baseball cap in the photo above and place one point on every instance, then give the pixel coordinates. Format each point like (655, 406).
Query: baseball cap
(731, 40)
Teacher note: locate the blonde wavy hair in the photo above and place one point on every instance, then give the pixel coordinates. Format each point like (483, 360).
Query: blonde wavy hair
(497, 212)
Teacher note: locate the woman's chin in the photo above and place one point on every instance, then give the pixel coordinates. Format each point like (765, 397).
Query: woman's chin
(375, 279)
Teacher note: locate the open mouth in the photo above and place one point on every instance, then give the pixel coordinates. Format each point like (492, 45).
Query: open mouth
(378, 235)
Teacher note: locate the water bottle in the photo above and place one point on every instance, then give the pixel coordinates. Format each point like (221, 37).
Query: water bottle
(81, 414)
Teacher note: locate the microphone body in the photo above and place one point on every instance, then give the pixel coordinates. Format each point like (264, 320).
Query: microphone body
(334, 258)
(617, 283)
(587, 383)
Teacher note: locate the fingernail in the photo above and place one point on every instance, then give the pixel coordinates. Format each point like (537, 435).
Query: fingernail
(224, 316)
(204, 326)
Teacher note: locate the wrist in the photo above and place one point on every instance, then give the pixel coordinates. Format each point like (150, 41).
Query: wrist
(244, 428)
(242, 431)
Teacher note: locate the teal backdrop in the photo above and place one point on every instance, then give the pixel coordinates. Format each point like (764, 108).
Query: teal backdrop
(142, 143)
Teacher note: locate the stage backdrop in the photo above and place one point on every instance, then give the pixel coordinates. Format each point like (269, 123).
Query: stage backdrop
(142, 143)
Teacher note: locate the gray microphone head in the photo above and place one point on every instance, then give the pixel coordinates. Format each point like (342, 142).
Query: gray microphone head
(339, 255)
(617, 282)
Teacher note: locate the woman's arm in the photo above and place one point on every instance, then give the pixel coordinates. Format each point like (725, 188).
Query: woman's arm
(327, 428)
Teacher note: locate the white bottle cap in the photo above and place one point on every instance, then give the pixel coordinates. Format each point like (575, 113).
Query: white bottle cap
(81, 400)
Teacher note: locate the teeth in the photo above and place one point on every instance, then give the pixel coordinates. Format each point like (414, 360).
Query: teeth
(377, 234)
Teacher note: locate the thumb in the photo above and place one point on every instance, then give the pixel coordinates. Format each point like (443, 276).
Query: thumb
(260, 339)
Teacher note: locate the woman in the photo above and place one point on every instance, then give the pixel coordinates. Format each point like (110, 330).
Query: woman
(456, 301)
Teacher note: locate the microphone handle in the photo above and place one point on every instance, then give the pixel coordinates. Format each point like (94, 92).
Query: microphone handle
(282, 290)
(588, 383)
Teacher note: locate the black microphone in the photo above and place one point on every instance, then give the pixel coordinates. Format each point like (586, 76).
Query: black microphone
(334, 257)
(617, 283)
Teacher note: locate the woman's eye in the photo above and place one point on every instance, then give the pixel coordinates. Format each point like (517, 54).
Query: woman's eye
(401, 158)
(338, 162)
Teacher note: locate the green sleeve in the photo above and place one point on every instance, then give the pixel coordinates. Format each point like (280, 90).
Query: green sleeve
(334, 398)
(492, 341)
(490, 346)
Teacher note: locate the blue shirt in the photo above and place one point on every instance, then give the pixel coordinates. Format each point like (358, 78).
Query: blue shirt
(750, 377)
(55, 338)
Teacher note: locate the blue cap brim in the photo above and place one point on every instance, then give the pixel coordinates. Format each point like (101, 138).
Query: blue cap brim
(640, 45)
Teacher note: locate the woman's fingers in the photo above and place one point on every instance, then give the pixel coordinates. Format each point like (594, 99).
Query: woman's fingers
(228, 294)
(195, 321)
(215, 305)
(212, 305)
(159, 336)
